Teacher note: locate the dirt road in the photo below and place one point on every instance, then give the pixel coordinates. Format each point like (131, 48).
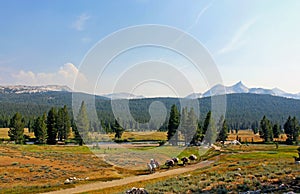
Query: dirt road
(128, 180)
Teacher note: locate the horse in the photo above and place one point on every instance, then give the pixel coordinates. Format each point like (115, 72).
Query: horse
(193, 157)
(150, 167)
(176, 160)
(170, 163)
(184, 160)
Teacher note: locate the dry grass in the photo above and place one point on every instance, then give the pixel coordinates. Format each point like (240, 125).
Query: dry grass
(32, 168)
(4, 133)
(143, 136)
(238, 169)
(249, 136)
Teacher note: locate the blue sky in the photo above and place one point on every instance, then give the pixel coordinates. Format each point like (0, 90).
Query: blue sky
(258, 42)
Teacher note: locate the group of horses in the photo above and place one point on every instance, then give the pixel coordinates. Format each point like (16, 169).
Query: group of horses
(185, 160)
(154, 165)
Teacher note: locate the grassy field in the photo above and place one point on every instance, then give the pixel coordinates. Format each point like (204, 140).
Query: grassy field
(39, 168)
(249, 136)
(33, 168)
(237, 169)
(4, 133)
(243, 135)
(143, 136)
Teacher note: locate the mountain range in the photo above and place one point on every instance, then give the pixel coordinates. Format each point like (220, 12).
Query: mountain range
(245, 107)
(21, 89)
(240, 88)
(123, 95)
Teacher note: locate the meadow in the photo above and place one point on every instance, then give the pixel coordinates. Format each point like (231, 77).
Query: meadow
(237, 169)
(42, 168)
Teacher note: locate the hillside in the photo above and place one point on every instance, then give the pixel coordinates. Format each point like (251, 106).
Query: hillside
(243, 110)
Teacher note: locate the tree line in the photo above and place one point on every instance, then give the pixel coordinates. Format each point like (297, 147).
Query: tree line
(269, 131)
(182, 126)
(186, 125)
(56, 126)
(244, 111)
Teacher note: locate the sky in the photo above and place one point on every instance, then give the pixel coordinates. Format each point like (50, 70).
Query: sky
(253, 41)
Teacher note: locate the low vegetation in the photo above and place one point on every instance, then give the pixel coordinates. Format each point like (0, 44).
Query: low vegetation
(238, 169)
(33, 168)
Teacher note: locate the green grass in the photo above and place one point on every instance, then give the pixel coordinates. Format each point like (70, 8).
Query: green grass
(54, 148)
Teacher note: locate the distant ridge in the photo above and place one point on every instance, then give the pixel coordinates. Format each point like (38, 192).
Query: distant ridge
(20, 89)
(240, 88)
(123, 95)
(219, 89)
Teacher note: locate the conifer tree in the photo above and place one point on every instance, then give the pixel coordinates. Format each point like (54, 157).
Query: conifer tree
(40, 129)
(173, 125)
(82, 122)
(52, 126)
(16, 129)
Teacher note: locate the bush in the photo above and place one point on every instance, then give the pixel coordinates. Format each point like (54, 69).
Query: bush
(162, 142)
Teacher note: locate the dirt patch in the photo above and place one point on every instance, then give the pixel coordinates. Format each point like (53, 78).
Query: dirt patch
(128, 180)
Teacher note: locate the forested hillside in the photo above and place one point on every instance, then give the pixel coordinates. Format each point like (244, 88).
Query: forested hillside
(243, 110)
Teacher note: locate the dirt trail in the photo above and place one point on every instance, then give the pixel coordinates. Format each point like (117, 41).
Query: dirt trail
(128, 180)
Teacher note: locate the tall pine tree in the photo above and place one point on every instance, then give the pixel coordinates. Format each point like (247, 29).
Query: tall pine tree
(40, 129)
(210, 129)
(184, 123)
(223, 131)
(82, 122)
(291, 128)
(192, 126)
(52, 126)
(63, 123)
(206, 122)
(266, 131)
(173, 125)
(16, 129)
(276, 130)
(118, 129)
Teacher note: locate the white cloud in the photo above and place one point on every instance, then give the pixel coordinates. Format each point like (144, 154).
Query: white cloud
(80, 22)
(237, 40)
(66, 75)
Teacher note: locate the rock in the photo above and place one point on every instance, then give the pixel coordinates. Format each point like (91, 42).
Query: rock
(67, 181)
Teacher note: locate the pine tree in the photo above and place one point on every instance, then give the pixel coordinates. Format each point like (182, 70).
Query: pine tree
(60, 124)
(77, 137)
(198, 136)
(173, 125)
(266, 131)
(296, 130)
(118, 130)
(223, 131)
(52, 126)
(184, 124)
(291, 128)
(209, 129)
(276, 130)
(40, 129)
(82, 122)
(192, 126)
(63, 123)
(206, 122)
(16, 129)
